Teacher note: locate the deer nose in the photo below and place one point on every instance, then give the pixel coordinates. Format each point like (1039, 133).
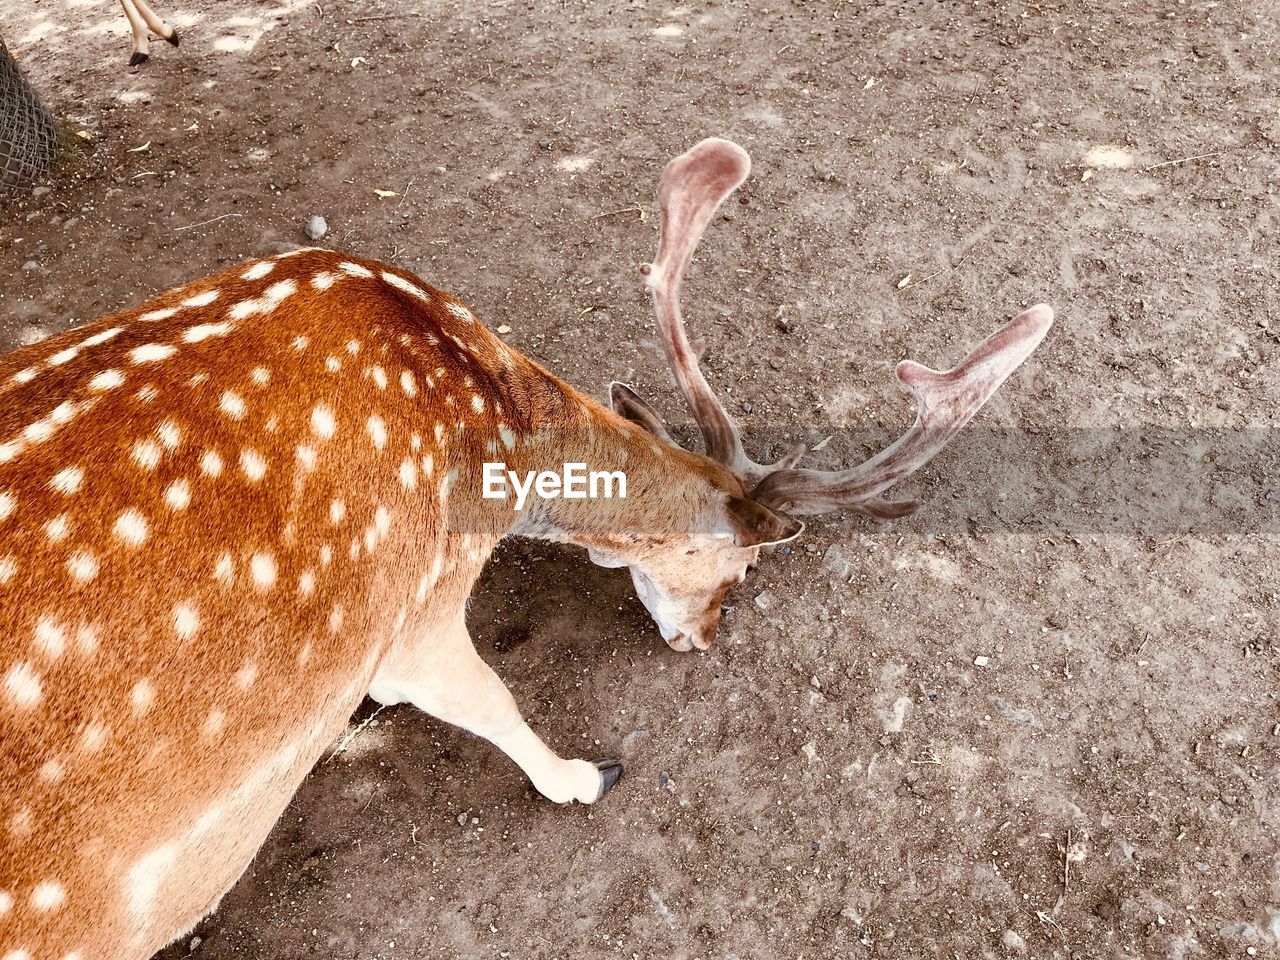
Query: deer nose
(680, 642)
(705, 636)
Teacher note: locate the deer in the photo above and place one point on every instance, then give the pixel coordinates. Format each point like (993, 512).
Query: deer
(141, 20)
(229, 514)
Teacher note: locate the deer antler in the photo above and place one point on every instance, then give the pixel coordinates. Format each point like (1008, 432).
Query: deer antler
(693, 187)
(945, 401)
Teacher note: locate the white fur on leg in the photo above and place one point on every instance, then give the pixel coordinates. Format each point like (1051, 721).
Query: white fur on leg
(557, 779)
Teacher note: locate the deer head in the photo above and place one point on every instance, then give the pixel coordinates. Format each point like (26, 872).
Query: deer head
(682, 579)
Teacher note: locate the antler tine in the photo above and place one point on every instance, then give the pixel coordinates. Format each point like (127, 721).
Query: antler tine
(945, 401)
(693, 187)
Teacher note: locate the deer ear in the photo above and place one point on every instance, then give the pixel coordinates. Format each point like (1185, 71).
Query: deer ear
(627, 404)
(755, 525)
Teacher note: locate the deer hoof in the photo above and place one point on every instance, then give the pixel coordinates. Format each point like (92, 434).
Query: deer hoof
(138, 59)
(173, 38)
(610, 773)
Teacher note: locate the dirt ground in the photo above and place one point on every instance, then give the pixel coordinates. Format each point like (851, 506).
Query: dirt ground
(838, 777)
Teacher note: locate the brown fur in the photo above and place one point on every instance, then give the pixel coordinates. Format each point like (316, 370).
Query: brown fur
(103, 796)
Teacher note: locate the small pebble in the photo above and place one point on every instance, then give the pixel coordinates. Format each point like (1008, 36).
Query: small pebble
(764, 600)
(981, 661)
(31, 266)
(316, 228)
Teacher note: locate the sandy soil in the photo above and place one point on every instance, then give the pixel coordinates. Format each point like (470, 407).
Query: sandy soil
(838, 778)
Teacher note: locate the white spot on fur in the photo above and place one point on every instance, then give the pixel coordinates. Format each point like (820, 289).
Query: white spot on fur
(52, 771)
(336, 618)
(461, 312)
(323, 424)
(201, 299)
(306, 456)
(253, 465)
(131, 527)
(260, 375)
(477, 403)
(100, 338)
(300, 343)
(22, 684)
(430, 577)
(408, 475)
(87, 640)
(48, 896)
(378, 431)
(232, 404)
(214, 723)
(203, 331)
(141, 696)
(8, 567)
(271, 298)
(94, 737)
(152, 353)
(178, 496)
(186, 620)
(408, 384)
(50, 638)
(354, 269)
(324, 280)
(211, 464)
(7, 503)
(353, 347)
(170, 434)
(258, 270)
(332, 364)
(263, 566)
(164, 313)
(62, 356)
(246, 675)
(400, 283)
(58, 528)
(307, 583)
(224, 569)
(337, 511)
(83, 566)
(26, 375)
(146, 453)
(382, 520)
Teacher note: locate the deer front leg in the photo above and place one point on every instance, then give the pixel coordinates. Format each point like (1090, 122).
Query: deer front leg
(441, 674)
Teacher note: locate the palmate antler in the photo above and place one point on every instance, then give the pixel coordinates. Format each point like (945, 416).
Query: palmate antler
(693, 187)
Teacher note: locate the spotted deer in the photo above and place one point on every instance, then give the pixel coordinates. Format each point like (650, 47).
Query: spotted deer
(229, 514)
(141, 20)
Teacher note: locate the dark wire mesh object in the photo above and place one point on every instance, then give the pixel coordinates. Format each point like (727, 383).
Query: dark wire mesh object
(29, 136)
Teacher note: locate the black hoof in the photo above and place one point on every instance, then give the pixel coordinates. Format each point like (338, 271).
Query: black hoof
(138, 59)
(173, 38)
(610, 773)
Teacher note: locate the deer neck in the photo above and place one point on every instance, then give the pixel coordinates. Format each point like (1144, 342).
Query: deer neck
(642, 487)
